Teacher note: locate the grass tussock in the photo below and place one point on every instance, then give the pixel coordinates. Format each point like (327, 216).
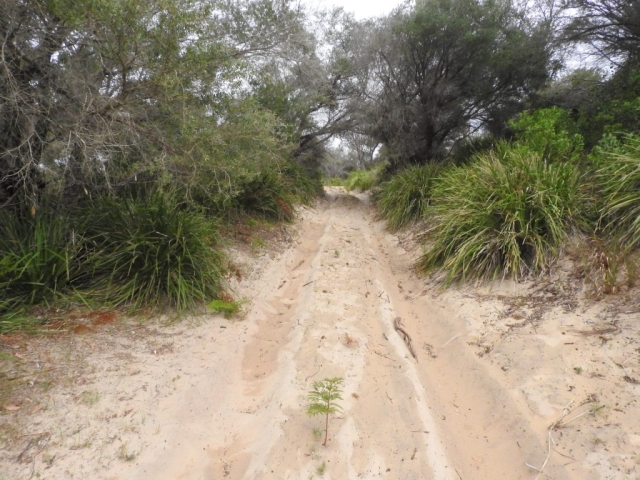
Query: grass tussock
(505, 214)
(404, 199)
(38, 253)
(618, 175)
(144, 252)
(362, 180)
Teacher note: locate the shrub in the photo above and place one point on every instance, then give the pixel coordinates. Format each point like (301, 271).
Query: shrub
(405, 198)
(618, 175)
(550, 132)
(506, 213)
(144, 251)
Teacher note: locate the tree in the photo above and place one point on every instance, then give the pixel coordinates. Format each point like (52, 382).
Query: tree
(96, 94)
(611, 26)
(323, 400)
(448, 69)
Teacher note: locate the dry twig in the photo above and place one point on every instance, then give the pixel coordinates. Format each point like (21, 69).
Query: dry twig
(397, 324)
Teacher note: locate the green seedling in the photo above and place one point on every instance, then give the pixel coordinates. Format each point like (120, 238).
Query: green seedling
(228, 309)
(323, 400)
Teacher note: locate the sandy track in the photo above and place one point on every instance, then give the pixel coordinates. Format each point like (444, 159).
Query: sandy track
(229, 399)
(323, 309)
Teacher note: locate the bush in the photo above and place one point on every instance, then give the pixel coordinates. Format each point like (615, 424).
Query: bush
(618, 175)
(144, 251)
(506, 213)
(549, 132)
(405, 198)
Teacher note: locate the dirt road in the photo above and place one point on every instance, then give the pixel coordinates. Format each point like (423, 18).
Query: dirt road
(324, 309)
(227, 399)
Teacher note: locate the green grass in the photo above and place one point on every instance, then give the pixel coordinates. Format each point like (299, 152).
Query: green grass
(404, 199)
(38, 261)
(335, 182)
(362, 180)
(228, 309)
(145, 252)
(618, 175)
(504, 214)
(266, 195)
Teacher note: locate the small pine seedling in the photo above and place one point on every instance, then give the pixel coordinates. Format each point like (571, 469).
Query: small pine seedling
(323, 400)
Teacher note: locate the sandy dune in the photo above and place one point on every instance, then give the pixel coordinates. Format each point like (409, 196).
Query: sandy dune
(226, 399)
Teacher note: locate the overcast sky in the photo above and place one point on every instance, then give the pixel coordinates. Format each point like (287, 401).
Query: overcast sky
(361, 8)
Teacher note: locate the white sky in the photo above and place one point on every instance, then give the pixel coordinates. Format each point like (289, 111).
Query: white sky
(361, 8)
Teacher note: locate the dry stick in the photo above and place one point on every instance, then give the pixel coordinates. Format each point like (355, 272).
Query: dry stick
(451, 340)
(397, 324)
(310, 376)
(565, 412)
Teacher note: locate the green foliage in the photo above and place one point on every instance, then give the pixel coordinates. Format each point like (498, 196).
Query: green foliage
(613, 106)
(146, 251)
(228, 309)
(37, 258)
(362, 180)
(405, 198)
(323, 400)
(549, 132)
(618, 174)
(506, 213)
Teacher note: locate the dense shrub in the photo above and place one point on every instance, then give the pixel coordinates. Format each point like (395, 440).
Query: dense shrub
(549, 132)
(506, 213)
(405, 198)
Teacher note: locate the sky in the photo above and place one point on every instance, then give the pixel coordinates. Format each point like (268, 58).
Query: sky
(361, 8)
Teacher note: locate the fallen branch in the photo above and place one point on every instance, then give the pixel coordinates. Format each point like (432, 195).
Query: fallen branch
(397, 324)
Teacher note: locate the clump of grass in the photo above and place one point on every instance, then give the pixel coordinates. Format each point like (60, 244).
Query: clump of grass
(506, 213)
(304, 184)
(404, 199)
(362, 180)
(144, 252)
(267, 196)
(38, 260)
(618, 174)
(226, 308)
(335, 182)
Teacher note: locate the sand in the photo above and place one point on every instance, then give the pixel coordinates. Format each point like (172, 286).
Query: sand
(497, 367)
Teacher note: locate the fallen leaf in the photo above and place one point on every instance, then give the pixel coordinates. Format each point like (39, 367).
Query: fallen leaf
(11, 408)
(35, 409)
